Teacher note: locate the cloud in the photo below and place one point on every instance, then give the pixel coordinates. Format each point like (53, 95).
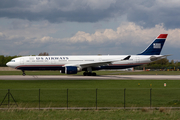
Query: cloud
(46, 38)
(150, 13)
(25, 31)
(146, 13)
(2, 35)
(127, 33)
(57, 11)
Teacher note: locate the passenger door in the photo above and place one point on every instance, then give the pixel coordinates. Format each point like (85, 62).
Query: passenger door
(22, 61)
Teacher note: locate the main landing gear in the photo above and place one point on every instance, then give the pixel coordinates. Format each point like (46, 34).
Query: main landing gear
(23, 73)
(89, 72)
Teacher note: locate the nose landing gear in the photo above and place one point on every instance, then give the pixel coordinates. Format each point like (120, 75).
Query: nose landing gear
(23, 73)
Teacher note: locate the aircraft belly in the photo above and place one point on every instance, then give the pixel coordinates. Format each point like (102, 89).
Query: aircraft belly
(114, 67)
(39, 67)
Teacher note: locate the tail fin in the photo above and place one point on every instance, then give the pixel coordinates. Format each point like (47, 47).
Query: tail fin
(156, 46)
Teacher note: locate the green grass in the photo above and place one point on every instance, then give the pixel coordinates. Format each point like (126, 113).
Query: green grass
(98, 73)
(82, 93)
(89, 115)
(84, 84)
(151, 73)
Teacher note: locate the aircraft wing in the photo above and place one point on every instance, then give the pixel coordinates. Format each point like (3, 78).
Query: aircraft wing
(98, 63)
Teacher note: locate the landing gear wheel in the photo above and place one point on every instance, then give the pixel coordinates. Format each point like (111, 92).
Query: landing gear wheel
(93, 74)
(23, 73)
(85, 73)
(89, 74)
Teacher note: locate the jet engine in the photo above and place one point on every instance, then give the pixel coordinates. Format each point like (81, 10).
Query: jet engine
(71, 70)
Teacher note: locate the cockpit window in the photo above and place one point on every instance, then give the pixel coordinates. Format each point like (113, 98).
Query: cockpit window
(12, 61)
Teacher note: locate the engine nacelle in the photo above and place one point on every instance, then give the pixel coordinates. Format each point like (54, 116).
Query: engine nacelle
(71, 70)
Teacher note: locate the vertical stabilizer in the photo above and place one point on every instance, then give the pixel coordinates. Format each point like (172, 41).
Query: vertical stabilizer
(156, 46)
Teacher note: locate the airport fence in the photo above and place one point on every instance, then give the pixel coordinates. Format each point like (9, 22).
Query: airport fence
(89, 98)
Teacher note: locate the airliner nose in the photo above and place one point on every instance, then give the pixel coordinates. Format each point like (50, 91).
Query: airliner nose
(7, 64)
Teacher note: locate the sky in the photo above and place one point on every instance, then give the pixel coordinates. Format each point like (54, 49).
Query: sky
(88, 27)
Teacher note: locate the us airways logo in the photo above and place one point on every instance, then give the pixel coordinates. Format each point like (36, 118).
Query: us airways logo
(52, 58)
(157, 45)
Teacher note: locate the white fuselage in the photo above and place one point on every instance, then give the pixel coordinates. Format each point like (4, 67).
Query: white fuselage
(58, 62)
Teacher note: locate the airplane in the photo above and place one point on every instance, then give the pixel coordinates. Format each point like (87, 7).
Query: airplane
(73, 64)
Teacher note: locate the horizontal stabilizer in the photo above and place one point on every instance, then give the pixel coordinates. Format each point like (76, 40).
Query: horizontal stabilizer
(154, 58)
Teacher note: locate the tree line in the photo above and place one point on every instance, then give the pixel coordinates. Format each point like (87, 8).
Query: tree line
(160, 64)
(5, 59)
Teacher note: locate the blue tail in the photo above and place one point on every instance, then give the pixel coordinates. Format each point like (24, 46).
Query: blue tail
(156, 46)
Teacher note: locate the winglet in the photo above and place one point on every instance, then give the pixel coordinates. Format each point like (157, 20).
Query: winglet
(127, 58)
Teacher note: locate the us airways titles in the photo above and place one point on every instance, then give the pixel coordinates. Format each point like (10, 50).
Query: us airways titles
(52, 58)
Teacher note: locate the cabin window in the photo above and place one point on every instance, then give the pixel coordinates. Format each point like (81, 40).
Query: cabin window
(39, 60)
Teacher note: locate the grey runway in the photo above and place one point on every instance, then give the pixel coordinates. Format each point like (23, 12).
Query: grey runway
(103, 77)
